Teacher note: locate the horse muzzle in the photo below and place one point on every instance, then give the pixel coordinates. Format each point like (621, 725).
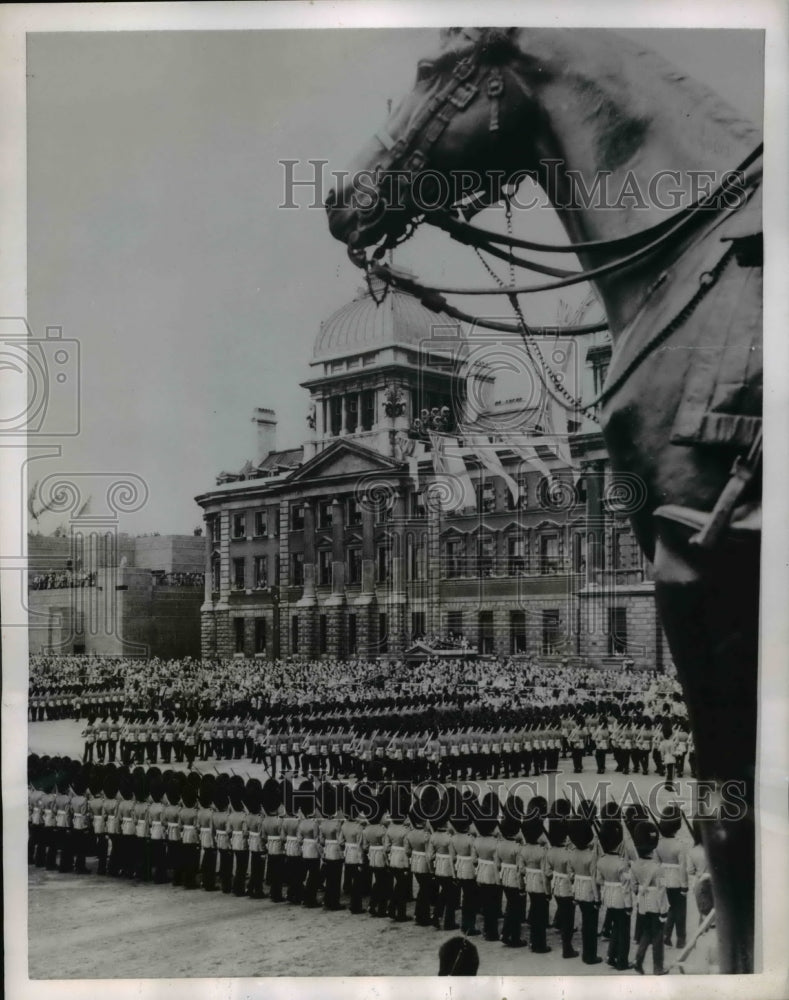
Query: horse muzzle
(363, 220)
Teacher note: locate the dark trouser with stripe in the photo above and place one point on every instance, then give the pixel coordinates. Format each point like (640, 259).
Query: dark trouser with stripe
(240, 875)
(651, 934)
(158, 861)
(332, 874)
(312, 880)
(276, 874)
(208, 869)
(294, 878)
(565, 919)
(589, 914)
(256, 868)
(79, 845)
(469, 904)
(677, 916)
(424, 897)
(538, 920)
(446, 902)
(398, 899)
(66, 855)
(380, 891)
(353, 887)
(490, 905)
(513, 916)
(190, 859)
(226, 870)
(599, 756)
(619, 944)
(578, 759)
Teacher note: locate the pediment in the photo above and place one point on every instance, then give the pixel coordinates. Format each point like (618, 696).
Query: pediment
(345, 459)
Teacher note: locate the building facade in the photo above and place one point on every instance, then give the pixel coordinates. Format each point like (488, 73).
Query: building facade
(360, 542)
(111, 595)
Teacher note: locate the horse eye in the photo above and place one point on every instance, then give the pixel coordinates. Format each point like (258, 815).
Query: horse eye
(424, 70)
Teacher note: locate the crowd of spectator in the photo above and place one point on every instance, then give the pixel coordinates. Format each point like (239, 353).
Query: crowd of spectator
(60, 579)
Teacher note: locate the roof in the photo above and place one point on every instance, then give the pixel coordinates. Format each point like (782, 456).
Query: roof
(363, 325)
(273, 463)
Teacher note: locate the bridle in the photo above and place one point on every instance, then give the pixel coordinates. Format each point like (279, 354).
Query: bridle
(470, 77)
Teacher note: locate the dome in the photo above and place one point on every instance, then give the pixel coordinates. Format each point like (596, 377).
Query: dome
(362, 325)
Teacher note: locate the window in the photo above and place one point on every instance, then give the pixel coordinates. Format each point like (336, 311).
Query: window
(418, 505)
(238, 634)
(486, 632)
(550, 631)
(324, 567)
(335, 415)
(323, 637)
(324, 514)
(297, 517)
(523, 493)
(516, 555)
(212, 529)
(352, 638)
(579, 552)
(517, 631)
(351, 413)
(625, 553)
(353, 362)
(455, 623)
(239, 526)
(486, 555)
(549, 554)
(354, 566)
(261, 572)
(216, 570)
(486, 497)
(417, 624)
(261, 523)
(354, 511)
(383, 633)
(297, 569)
(260, 635)
(368, 405)
(600, 362)
(416, 546)
(294, 634)
(617, 631)
(239, 574)
(455, 558)
(384, 562)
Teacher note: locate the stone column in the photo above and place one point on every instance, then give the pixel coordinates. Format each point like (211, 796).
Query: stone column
(366, 603)
(433, 622)
(595, 518)
(397, 606)
(335, 605)
(308, 604)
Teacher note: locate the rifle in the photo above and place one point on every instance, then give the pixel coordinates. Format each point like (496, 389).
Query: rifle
(683, 955)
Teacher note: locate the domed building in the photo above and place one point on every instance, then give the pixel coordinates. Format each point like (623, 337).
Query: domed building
(413, 512)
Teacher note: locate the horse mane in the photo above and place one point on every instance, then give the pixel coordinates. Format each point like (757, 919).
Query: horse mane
(498, 43)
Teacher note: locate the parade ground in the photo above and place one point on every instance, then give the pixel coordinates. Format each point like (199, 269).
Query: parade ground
(96, 927)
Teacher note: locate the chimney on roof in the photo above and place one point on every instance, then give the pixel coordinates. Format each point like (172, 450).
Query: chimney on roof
(266, 421)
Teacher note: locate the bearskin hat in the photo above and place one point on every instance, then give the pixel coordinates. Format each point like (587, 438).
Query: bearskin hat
(485, 814)
(513, 807)
(532, 828)
(304, 797)
(509, 826)
(645, 837)
(580, 832)
(539, 804)
(610, 810)
(189, 795)
(221, 798)
(557, 831)
(610, 836)
(670, 821)
(156, 788)
(286, 793)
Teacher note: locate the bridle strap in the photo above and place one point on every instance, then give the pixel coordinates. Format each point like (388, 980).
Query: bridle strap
(466, 233)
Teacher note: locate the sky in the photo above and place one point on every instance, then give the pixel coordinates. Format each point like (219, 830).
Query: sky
(156, 240)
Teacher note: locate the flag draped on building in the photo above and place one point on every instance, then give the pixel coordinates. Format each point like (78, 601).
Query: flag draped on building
(486, 452)
(451, 475)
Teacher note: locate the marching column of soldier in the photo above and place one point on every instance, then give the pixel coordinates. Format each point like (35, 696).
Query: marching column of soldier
(495, 865)
(444, 743)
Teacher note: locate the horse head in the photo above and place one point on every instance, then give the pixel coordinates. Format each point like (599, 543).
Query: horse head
(467, 108)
